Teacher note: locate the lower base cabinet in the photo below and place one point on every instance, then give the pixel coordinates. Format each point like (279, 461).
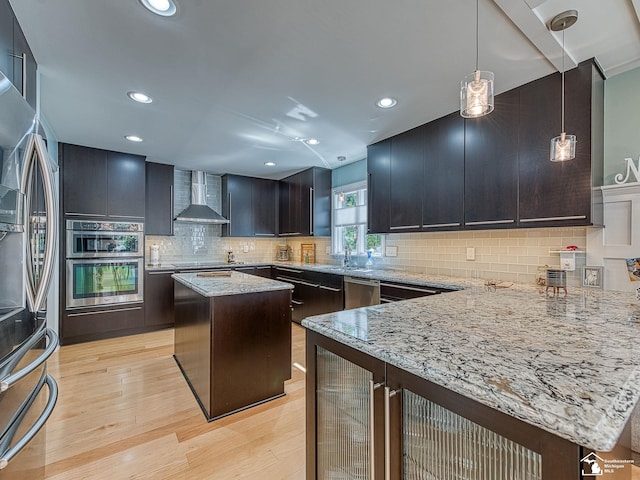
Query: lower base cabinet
(88, 324)
(371, 420)
(158, 299)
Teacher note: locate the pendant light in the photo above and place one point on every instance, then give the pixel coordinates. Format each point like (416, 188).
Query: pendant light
(476, 89)
(563, 147)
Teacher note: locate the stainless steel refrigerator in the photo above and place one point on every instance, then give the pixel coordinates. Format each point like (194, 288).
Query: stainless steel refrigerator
(28, 233)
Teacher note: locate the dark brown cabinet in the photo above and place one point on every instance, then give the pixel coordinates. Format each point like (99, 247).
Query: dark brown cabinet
(407, 164)
(494, 171)
(443, 181)
(17, 62)
(100, 183)
(158, 299)
(369, 419)
(264, 202)
(553, 193)
(24, 66)
(237, 206)
(158, 199)
(378, 186)
(250, 206)
(491, 165)
(305, 203)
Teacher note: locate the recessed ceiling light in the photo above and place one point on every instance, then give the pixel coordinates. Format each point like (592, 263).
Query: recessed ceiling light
(312, 141)
(133, 138)
(270, 164)
(139, 97)
(166, 8)
(387, 102)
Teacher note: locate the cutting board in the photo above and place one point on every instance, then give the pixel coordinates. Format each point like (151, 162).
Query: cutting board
(224, 273)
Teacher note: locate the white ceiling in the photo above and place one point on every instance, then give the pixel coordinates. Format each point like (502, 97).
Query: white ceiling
(230, 78)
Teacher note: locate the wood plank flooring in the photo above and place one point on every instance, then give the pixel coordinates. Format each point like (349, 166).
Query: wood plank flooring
(126, 412)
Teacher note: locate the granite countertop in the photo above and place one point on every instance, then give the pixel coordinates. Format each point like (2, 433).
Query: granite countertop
(567, 364)
(236, 283)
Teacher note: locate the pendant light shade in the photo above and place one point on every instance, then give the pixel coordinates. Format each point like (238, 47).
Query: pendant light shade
(476, 89)
(563, 147)
(476, 94)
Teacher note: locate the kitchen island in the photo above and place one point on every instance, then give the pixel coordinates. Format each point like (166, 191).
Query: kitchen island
(500, 383)
(232, 338)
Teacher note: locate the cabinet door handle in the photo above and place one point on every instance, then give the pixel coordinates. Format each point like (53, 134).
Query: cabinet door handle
(288, 270)
(388, 393)
(164, 272)
(296, 302)
(440, 225)
(489, 222)
(265, 234)
(171, 208)
(372, 437)
(552, 219)
(78, 214)
(369, 207)
(104, 311)
(331, 289)
(311, 211)
(405, 287)
(23, 57)
(404, 227)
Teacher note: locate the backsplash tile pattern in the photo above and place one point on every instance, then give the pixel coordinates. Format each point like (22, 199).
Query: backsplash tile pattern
(506, 255)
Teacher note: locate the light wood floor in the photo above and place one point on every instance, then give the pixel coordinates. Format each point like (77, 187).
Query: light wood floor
(126, 412)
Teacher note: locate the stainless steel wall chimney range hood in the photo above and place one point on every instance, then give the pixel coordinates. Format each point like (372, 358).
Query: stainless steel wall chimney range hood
(199, 211)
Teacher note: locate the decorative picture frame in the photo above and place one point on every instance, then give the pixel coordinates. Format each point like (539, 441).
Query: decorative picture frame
(310, 250)
(592, 277)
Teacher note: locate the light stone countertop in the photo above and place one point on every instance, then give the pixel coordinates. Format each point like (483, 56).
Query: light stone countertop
(567, 364)
(237, 283)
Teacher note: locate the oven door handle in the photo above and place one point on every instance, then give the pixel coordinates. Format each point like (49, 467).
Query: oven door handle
(7, 382)
(7, 454)
(36, 154)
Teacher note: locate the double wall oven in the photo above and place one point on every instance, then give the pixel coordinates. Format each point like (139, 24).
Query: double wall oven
(104, 263)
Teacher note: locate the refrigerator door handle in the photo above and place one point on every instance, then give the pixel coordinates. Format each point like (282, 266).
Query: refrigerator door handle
(7, 454)
(7, 382)
(36, 154)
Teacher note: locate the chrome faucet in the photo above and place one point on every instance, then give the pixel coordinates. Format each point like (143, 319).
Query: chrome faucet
(347, 257)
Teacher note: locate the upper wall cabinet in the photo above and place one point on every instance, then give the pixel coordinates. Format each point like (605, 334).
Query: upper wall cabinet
(407, 170)
(378, 186)
(99, 183)
(158, 199)
(561, 193)
(491, 166)
(305, 203)
(250, 206)
(17, 62)
(495, 169)
(443, 185)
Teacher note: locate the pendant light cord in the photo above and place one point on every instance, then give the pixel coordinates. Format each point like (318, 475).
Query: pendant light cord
(477, 34)
(564, 27)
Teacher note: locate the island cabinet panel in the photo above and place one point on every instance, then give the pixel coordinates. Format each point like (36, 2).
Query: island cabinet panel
(158, 299)
(560, 193)
(100, 183)
(159, 199)
(443, 185)
(369, 419)
(378, 186)
(407, 175)
(491, 166)
(234, 350)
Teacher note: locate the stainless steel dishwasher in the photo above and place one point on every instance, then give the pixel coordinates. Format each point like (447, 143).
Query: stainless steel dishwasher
(359, 292)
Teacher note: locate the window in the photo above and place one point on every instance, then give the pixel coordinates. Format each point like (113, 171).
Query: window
(350, 221)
